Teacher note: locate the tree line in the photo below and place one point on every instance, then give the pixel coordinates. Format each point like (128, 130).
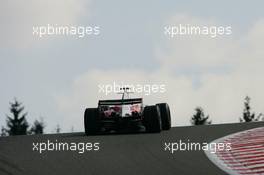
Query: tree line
(16, 122)
(199, 117)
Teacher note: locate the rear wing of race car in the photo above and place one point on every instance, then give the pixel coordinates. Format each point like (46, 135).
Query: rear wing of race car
(119, 102)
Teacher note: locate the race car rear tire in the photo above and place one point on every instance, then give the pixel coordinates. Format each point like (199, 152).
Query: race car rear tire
(91, 121)
(165, 115)
(152, 119)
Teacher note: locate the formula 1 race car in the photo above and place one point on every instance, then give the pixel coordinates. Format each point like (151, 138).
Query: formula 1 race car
(126, 114)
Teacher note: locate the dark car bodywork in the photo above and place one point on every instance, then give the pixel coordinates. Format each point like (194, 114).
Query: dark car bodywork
(120, 113)
(126, 114)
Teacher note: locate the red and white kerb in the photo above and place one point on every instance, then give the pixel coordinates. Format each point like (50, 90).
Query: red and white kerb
(246, 155)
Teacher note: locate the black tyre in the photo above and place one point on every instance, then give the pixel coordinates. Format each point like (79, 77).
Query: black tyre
(152, 119)
(165, 115)
(91, 121)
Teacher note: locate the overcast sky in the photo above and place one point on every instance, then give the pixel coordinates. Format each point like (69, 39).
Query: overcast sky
(56, 77)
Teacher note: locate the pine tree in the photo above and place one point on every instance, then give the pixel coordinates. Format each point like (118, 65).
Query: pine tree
(38, 127)
(17, 124)
(248, 116)
(3, 132)
(199, 117)
(58, 129)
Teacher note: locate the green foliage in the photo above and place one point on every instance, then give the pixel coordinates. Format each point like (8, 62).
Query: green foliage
(3, 132)
(38, 127)
(17, 123)
(248, 116)
(58, 129)
(199, 117)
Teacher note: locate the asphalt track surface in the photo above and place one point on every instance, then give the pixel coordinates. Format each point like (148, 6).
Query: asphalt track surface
(119, 154)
